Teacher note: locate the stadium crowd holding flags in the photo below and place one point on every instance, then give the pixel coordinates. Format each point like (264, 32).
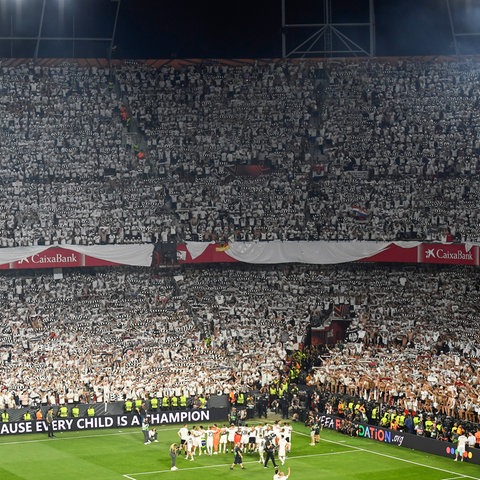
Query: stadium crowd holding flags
(385, 141)
(150, 357)
(338, 150)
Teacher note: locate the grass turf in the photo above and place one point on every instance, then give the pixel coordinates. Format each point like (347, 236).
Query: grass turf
(121, 455)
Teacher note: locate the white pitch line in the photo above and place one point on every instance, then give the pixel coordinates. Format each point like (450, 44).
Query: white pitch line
(59, 436)
(460, 475)
(452, 478)
(246, 463)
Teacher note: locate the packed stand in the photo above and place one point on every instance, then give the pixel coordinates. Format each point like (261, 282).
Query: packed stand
(291, 150)
(108, 335)
(68, 169)
(379, 150)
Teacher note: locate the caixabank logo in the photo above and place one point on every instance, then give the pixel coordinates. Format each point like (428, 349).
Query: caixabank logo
(454, 254)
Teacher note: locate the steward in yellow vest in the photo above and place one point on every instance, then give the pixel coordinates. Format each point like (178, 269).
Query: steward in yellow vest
(128, 406)
(375, 415)
(241, 399)
(154, 403)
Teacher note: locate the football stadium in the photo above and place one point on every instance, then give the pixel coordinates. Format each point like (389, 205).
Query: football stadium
(242, 238)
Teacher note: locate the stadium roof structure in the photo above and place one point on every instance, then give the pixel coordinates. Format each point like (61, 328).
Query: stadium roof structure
(356, 36)
(292, 28)
(29, 30)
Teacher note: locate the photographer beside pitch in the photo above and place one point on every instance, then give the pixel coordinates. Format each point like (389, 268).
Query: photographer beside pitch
(173, 452)
(49, 418)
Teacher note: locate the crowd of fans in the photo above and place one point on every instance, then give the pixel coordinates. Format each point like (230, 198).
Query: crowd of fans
(253, 150)
(109, 335)
(354, 411)
(307, 150)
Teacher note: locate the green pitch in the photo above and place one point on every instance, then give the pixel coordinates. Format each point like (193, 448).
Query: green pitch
(121, 455)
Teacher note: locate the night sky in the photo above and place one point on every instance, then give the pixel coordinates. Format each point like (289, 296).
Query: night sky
(223, 29)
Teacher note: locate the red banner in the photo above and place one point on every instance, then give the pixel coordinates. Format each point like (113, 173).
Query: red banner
(213, 253)
(402, 252)
(57, 257)
(395, 254)
(261, 252)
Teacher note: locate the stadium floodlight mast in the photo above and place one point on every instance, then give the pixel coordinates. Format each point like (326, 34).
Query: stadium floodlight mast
(461, 38)
(40, 28)
(39, 38)
(112, 39)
